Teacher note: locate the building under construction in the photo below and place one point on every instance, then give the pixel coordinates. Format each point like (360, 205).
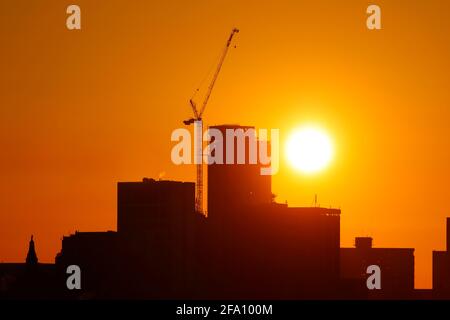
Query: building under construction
(244, 246)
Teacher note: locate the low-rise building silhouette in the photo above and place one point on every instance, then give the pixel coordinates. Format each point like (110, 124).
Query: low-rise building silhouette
(396, 266)
(248, 246)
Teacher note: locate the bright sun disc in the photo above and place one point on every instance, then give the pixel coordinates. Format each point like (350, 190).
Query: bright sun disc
(309, 150)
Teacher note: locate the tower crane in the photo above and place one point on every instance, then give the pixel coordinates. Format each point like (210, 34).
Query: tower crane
(198, 122)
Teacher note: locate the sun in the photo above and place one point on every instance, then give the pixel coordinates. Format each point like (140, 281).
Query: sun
(309, 149)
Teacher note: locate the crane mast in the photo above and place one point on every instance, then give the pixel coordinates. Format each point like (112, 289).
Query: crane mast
(197, 119)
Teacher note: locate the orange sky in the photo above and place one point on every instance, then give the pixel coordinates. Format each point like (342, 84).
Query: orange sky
(81, 110)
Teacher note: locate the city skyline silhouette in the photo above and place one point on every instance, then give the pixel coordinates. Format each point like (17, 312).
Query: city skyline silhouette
(84, 109)
(247, 247)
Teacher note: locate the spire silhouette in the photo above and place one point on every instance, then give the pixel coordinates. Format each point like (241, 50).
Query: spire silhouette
(31, 255)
